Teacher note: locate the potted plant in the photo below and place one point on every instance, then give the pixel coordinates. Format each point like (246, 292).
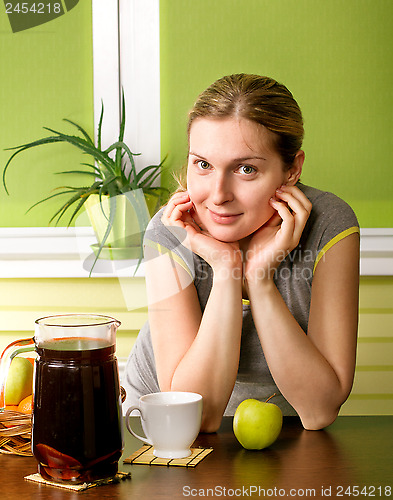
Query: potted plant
(117, 196)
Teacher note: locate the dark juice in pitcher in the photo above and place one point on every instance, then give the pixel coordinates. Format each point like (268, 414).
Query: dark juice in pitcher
(77, 432)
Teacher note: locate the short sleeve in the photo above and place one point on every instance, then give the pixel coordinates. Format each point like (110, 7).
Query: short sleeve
(331, 220)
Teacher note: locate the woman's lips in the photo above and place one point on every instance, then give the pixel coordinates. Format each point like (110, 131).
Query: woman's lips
(223, 218)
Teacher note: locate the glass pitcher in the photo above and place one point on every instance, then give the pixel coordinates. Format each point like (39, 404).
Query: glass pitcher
(77, 431)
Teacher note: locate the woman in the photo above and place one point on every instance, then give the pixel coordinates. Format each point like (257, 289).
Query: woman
(252, 277)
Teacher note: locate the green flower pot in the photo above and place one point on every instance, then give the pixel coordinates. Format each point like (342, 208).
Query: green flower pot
(125, 238)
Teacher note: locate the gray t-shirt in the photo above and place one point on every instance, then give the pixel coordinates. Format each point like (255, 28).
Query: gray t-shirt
(331, 219)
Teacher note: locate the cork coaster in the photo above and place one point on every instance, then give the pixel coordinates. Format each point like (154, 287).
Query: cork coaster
(120, 476)
(144, 456)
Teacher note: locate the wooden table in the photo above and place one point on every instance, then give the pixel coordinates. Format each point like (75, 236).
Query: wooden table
(353, 455)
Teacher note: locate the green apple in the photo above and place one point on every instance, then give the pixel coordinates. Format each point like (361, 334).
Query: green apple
(19, 381)
(257, 424)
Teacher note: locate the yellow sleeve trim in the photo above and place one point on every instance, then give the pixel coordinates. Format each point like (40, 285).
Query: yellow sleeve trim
(173, 256)
(333, 241)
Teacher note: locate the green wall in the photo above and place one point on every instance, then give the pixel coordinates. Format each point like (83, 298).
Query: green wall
(334, 55)
(46, 75)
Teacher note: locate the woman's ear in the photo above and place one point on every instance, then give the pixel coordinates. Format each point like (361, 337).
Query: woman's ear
(293, 174)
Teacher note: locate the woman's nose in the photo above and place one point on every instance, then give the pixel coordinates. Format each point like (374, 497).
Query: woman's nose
(222, 191)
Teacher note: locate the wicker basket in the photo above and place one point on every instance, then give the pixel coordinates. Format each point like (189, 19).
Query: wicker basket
(15, 433)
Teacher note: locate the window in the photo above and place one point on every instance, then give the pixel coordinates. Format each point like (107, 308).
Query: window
(126, 51)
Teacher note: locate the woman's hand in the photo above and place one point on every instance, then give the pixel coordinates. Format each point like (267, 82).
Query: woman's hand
(180, 213)
(280, 235)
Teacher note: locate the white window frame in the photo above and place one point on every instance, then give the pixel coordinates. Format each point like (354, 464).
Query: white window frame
(126, 54)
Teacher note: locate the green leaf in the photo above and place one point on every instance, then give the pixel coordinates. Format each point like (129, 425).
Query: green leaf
(100, 126)
(22, 148)
(149, 179)
(112, 213)
(82, 130)
(84, 172)
(137, 199)
(97, 170)
(50, 197)
(77, 210)
(82, 193)
(65, 207)
(121, 132)
(91, 166)
(130, 155)
(86, 147)
(123, 116)
(44, 140)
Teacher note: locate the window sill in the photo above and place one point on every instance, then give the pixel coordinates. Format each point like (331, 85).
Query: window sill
(57, 252)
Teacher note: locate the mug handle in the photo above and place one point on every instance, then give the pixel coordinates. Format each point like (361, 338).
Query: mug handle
(129, 411)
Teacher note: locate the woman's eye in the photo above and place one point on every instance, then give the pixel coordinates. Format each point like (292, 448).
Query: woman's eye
(203, 164)
(247, 169)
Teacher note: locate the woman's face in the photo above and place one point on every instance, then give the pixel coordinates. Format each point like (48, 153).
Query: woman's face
(232, 173)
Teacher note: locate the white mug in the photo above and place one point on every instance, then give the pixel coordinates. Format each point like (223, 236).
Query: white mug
(170, 420)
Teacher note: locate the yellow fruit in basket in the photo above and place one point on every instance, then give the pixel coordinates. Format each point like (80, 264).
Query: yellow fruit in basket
(19, 381)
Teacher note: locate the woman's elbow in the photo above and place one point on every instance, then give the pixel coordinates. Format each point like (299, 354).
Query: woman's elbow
(318, 421)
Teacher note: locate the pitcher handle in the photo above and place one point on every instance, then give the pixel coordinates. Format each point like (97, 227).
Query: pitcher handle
(15, 348)
(129, 411)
